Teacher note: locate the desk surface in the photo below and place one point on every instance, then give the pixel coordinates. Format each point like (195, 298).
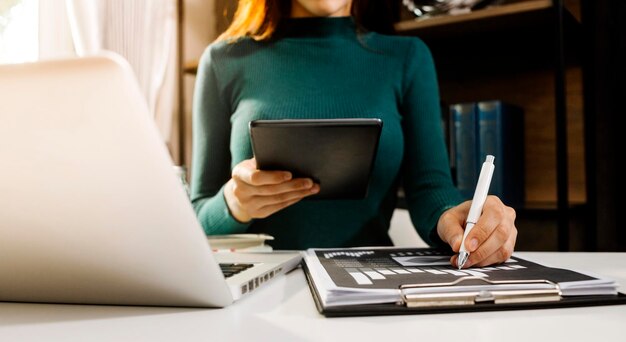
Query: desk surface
(284, 311)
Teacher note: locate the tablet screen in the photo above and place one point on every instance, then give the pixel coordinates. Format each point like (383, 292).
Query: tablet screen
(338, 154)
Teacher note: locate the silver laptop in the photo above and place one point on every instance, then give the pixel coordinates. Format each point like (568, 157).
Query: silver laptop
(91, 210)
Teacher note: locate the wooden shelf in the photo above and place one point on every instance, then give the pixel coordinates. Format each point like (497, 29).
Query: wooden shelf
(531, 14)
(190, 67)
(483, 14)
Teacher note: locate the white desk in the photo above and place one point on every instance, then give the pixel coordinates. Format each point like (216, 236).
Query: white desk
(284, 311)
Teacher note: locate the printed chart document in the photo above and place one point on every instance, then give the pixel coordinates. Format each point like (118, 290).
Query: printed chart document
(424, 277)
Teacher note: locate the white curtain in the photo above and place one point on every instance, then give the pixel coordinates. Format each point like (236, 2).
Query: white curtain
(144, 32)
(55, 39)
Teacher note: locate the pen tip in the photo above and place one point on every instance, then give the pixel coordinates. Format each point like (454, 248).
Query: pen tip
(463, 256)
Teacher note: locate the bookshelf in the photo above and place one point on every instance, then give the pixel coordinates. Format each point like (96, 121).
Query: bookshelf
(525, 53)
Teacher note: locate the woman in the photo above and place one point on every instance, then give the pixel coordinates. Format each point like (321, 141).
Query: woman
(320, 59)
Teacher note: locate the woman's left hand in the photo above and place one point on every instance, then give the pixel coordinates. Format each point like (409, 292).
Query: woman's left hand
(492, 239)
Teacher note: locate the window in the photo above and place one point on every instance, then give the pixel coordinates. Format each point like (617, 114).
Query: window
(19, 31)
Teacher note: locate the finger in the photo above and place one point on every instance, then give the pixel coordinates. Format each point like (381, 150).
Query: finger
(498, 238)
(494, 212)
(285, 197)
(503, 253)
(503, 219)
(454, 260)
(256, 206)
(247, 172)
(272, 208)
(288, 186)
(246, 193)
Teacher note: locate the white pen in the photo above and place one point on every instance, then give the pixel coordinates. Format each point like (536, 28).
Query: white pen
(480, 195)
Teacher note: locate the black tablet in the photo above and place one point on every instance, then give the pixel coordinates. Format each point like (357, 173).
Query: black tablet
(338, 154)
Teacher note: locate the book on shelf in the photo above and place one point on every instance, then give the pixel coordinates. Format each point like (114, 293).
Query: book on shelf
(385, 280)
(463, 132)
(489, 127)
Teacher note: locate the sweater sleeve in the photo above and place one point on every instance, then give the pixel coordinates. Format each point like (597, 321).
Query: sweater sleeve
(211, 154)
(426, 177)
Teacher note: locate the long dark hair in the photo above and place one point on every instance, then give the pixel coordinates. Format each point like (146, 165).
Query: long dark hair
(258, 19)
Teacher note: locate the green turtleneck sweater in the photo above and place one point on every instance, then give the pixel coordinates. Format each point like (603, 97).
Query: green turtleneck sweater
(322, 68)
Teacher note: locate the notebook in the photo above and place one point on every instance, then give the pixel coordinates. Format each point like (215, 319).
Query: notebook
(91, 210)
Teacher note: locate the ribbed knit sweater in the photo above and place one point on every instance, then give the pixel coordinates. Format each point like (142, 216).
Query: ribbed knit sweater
(323, 68)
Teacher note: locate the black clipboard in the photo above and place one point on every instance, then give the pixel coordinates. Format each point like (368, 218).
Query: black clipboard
(338, 154)
(401, 308)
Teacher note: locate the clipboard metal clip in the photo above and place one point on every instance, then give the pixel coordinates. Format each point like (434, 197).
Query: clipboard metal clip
(479, 290)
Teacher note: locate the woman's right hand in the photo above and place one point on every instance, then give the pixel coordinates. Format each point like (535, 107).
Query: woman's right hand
(252, 193)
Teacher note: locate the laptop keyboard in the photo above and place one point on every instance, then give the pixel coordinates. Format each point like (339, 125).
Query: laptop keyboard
(230, 270)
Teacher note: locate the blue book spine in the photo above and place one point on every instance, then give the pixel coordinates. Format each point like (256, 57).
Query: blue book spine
(464, 118)
(501, 133)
